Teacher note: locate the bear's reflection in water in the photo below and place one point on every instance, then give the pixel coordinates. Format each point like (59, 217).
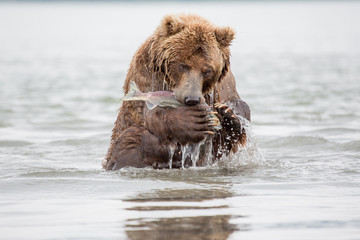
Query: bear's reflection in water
(177, 220)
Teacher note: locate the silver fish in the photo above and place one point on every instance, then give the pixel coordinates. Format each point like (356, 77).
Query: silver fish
(163, 99)
(152, 99)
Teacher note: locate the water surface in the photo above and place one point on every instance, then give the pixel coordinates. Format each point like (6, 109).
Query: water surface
(62, 67)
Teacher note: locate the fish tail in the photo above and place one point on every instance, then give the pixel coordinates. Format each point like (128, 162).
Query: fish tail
(133, 91)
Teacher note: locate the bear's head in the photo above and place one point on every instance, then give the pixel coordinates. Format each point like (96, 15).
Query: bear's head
(191, 54)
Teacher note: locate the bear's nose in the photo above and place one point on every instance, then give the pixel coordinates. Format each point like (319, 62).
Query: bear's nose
(192, 101)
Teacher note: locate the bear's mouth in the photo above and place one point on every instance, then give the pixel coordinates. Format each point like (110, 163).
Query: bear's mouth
(189, 97)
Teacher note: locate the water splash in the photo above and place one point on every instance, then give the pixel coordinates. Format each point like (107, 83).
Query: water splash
(208, 151)
(194, 153)
(246, 156)
(184, 152)
(171, 154)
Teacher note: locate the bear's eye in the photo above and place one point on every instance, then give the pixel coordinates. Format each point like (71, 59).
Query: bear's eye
(207, 73)
(183, 67)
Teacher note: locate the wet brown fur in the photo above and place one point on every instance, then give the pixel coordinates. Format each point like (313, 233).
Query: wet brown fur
(141, 137)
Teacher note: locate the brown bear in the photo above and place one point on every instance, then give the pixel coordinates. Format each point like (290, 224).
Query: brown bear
(189, 56)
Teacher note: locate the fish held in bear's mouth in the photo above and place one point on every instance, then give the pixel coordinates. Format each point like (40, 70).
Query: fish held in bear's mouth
(152, 99)
(164, 99)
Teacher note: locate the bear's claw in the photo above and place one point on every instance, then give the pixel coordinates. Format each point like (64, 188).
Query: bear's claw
(220, 105)
(228, 110)
(213, 119)
(227, 117)
(213, 112)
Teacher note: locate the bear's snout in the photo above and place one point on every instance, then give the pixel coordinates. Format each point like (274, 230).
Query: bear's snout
(189, 91)
(192, 100)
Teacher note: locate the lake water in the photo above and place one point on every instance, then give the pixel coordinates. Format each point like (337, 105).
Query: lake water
(62, 66)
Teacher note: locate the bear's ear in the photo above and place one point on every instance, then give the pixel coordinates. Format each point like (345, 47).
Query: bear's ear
(224, 35)
(171, 25)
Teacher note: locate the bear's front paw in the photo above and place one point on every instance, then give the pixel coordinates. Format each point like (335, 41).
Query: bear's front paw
(189, 124)
(229, 121)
